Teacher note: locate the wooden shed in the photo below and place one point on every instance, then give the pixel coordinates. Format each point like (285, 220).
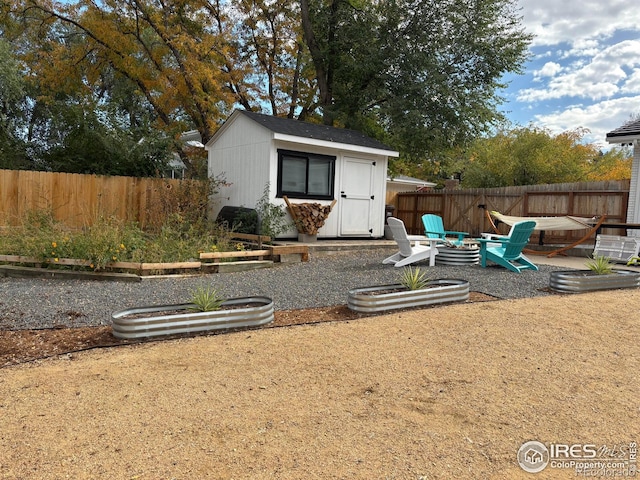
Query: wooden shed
(629, 134)
(306, 163)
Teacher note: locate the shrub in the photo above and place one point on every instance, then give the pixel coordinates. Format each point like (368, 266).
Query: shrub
(273, 218)
(414, 279)
(187, 198)
(206, 299)
(600, 265)
(107, 240)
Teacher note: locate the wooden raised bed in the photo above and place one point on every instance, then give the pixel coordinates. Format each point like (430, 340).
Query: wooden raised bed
(248, 259)
(139, 268)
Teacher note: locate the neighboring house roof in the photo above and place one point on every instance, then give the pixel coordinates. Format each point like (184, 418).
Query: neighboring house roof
(627, 133)
(404, 180)
(287, 127)
(192, 138)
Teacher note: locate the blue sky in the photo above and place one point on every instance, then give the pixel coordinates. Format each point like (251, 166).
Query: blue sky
(584, 69)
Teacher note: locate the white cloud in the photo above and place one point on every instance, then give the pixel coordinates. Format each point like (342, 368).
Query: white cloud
(549, 69)
(599, 118)
(603, 77)
(585, 68)
(554, 22)
(632, 84)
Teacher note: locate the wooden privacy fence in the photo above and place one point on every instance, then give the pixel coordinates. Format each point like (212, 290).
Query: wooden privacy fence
(77, 200)
(464, 209)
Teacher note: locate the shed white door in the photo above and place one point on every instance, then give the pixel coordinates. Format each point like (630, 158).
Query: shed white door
(356, 197)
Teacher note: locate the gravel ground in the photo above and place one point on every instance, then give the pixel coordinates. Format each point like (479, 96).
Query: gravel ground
(27, 303)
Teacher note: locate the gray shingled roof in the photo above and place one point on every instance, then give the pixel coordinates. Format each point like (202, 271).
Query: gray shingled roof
(628, 129)
(287, 126)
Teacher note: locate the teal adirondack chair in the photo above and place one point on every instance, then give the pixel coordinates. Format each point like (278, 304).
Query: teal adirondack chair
(434, 228)
(506, 251)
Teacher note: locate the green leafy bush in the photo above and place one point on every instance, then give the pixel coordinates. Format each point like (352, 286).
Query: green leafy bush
(107, 240)
(273, 218)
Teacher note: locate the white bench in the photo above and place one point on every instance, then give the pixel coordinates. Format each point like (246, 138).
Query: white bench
(617, 248)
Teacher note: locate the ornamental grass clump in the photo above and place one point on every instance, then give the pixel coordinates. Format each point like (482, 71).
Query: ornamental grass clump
(206, 299)
(600, 265)
(414, 279)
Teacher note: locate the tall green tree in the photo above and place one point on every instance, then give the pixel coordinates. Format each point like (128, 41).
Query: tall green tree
(81, 116)
(421, 75)
(13, 151)
(88, 140)
(271, 41)
(530, 156)
(427, 72)
(190, 62)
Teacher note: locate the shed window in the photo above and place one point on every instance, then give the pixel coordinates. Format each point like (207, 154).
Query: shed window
(305, 175)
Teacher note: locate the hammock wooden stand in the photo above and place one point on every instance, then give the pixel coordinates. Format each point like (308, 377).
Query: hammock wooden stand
(559, 251)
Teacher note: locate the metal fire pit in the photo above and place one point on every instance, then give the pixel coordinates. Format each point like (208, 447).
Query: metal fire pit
(457, 256)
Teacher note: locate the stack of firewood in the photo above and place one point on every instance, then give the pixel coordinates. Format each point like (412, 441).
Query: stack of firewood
(309, 217)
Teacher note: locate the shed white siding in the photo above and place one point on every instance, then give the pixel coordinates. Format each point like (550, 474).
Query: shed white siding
(245, 153)
(241, 155)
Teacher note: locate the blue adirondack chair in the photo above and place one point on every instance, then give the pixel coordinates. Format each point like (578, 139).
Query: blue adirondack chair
(506, 251)
(434, 228)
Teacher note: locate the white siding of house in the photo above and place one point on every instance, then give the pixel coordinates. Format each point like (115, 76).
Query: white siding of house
(633, 209)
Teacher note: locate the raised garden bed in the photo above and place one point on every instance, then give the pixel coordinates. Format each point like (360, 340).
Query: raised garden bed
(141, 322)
(578, 281)
(220, 261)
(390, 297)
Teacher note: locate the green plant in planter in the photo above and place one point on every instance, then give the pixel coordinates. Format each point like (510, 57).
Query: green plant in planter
(206, 299)
(600, 265)
(414, 279)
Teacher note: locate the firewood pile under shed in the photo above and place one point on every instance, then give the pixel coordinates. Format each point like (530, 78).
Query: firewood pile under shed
(309, 217)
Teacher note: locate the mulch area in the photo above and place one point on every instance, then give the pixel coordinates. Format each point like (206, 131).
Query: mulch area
(21, 346)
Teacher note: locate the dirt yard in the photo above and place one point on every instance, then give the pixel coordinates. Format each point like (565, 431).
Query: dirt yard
(439, 393)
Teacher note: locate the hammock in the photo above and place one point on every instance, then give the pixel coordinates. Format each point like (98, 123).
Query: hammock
(552, 223)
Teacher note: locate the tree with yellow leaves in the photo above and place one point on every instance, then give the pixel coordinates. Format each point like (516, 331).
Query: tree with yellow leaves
(531, 155)
(192, 62)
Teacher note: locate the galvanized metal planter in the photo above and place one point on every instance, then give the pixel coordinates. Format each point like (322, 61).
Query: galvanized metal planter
(389, 297)
(577, 281)
(141, 322)
(458, 256)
